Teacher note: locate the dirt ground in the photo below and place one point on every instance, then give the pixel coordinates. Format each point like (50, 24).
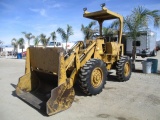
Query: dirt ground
(136, 99)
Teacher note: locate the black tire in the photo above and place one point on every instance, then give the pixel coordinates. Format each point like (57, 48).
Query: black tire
(124, 69)
(93, 76)
(154, 53)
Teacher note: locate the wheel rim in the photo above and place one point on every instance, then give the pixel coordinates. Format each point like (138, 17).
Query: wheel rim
(126, 69)
(96, 77)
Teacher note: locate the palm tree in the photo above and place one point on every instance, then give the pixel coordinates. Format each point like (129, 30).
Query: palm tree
(44, 40)
(36, 41)
(65, 35)
(53, 35)
(21, 43)
(29, 36)
(1, 43)
(108, 32)
(88, 31)
(14, 43)
(139, 19)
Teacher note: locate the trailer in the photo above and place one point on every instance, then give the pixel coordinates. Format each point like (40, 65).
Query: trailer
(145, 44)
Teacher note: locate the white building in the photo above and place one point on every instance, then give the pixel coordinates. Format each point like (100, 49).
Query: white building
(9, 49)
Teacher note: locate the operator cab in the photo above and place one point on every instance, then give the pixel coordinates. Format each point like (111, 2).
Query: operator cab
(103, 15)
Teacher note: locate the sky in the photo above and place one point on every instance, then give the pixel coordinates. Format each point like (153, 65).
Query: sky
(45, 16)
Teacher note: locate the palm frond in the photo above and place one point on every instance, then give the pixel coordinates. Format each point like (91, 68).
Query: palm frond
(29, 36)
(108, 31)
(115, 24)
(69, 30)
(36, 41)
(21, 41)
(62, 33)
(91, 24)
(88, 31)
(53, 35)
(44, 40)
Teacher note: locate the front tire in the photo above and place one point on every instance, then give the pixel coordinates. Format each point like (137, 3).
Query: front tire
(93, 77)
(124, 69)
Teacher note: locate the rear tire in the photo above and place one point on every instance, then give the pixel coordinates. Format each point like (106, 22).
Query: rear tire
(154, 53)
(124, 69)
(93, 77)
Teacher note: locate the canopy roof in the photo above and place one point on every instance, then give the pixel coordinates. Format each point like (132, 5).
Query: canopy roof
(104, 14)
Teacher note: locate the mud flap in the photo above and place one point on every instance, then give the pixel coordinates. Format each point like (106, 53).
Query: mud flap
(61, 99)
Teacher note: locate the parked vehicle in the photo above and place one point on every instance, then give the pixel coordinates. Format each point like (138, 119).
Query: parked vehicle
(145, 44)
(54, 44)
(24, 54)
(157, 48)
(69, 45)
(59, 44)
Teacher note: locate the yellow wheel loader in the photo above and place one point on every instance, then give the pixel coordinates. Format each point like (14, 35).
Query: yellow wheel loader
(50, 73)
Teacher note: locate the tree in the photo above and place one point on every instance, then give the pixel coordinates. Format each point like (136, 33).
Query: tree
(36, 41)
(44, 40)
(109, 32)
(138, 20)
(29, 36)
(65, 35)
(21, 43)
(88, 31)
(1, 43)
(53, 36)
(14, 43)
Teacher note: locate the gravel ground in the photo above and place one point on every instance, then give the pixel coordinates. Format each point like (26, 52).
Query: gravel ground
(136, 99)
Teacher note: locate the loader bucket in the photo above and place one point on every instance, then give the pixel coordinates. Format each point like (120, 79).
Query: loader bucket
(44, 84)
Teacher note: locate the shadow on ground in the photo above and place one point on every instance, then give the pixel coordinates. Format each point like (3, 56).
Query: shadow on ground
(43, 112)
(14, 92)
(111, 77)
(137, 71)
(78, 90)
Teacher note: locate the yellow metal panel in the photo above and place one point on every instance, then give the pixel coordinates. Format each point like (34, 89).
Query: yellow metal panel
(112, 48)
(62, 71)
(27, 83)
(46, 59)
(27, 66)
(61, 99)
(109, 65)
(87, 56)
(102, 15)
